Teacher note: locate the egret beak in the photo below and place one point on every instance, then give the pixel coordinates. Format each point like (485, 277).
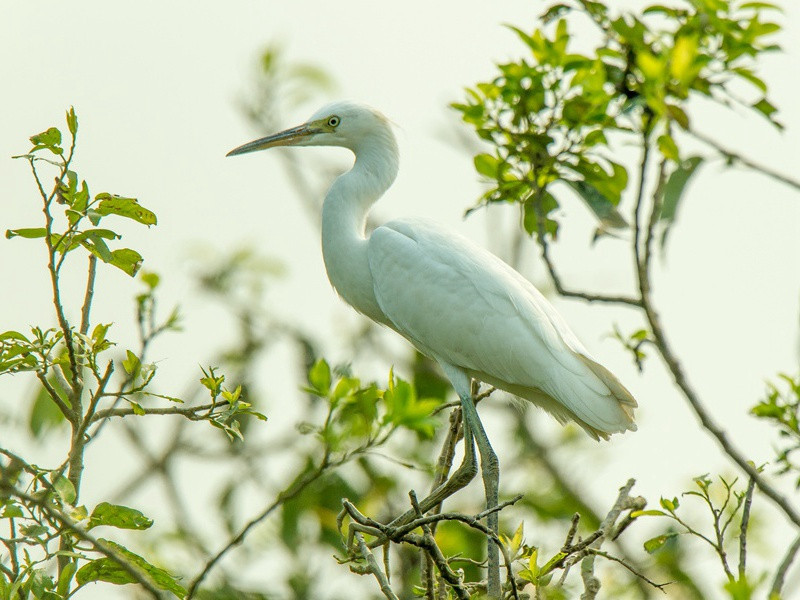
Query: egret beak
(290, 137)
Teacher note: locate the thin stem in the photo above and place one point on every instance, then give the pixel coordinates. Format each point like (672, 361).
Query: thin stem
(87, 300)
(54, 395)
(190, 412)
(676, 369)
(732, 156)
(665, 350)
(374, 568)
(780, 574)
(293, 490)
(745, 523)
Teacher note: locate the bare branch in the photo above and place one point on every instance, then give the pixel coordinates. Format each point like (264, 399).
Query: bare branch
(54, 395)
(624, 502)
(87, 299)
(293, 490)
(375, 569)
(190, 412)
(780, 574)
(748, 499)
(642, 576)
(556, 278)
(735, 157)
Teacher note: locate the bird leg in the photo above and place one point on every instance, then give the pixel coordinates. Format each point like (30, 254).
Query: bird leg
(490, 469)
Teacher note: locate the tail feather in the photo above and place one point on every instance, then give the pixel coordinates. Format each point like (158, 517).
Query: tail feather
(626, 400)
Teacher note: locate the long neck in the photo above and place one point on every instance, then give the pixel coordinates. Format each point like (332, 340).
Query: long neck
(344, 216)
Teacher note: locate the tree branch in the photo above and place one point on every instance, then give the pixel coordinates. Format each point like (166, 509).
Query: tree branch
(190, 412)
(293, 490)
(624, 502)
(374, 568)
(735, 157)
(134, 571)
(675, 368)
(748, 499)
(556, 278)
(780, 574)
(87, 299)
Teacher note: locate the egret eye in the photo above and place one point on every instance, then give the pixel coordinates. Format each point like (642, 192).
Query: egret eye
(333, 121)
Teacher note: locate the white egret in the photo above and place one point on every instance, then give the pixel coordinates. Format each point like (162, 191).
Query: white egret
(457, 303)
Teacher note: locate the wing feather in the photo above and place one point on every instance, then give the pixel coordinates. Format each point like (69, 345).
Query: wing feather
(459, 303)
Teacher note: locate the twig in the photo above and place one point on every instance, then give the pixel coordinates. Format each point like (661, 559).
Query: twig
(190, 412)
(623, 502)
(748, 499)
(293, 490)
(675, 368)
(402, 533)
(780, 574)
(732, 156)
(54, 395)
(369, 557)
(141, 577)
(556, 278)
(432, 549)
(642, 576)
(87, 300)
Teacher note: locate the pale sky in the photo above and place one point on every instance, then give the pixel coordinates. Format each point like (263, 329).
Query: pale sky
(155, 86)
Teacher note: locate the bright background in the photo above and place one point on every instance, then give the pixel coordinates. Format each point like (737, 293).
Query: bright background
(155, 86)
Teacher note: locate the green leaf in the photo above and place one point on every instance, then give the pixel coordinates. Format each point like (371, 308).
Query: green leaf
(10, 511)
(64, 580)
(677, 114)
(319, 376)
(30, 233)
(748, 75)
(118, 516)
(72, 121)
(49, 140)
(602, 207)
(65, 489)
(124, 207)
(12, 335)
(673, 193)
(150, 279)
(682, 64)
(647, 513)
(99, 248)
(668, 504)
(33, 531)
(668, 148)
(131, 364)
(766, 108)
(44, 413)
(761, 6)
(127, 260)
(486, 165)
(554, 12)
(657, 542)
(108, 570)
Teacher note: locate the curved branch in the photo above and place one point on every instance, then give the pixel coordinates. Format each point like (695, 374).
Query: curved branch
(780, 575)
(675, 368)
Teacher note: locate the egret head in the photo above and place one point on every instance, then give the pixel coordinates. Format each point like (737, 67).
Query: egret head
(345, 124)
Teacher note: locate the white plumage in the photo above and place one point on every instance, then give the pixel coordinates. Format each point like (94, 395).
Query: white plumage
(462, 305)
(456, 302)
